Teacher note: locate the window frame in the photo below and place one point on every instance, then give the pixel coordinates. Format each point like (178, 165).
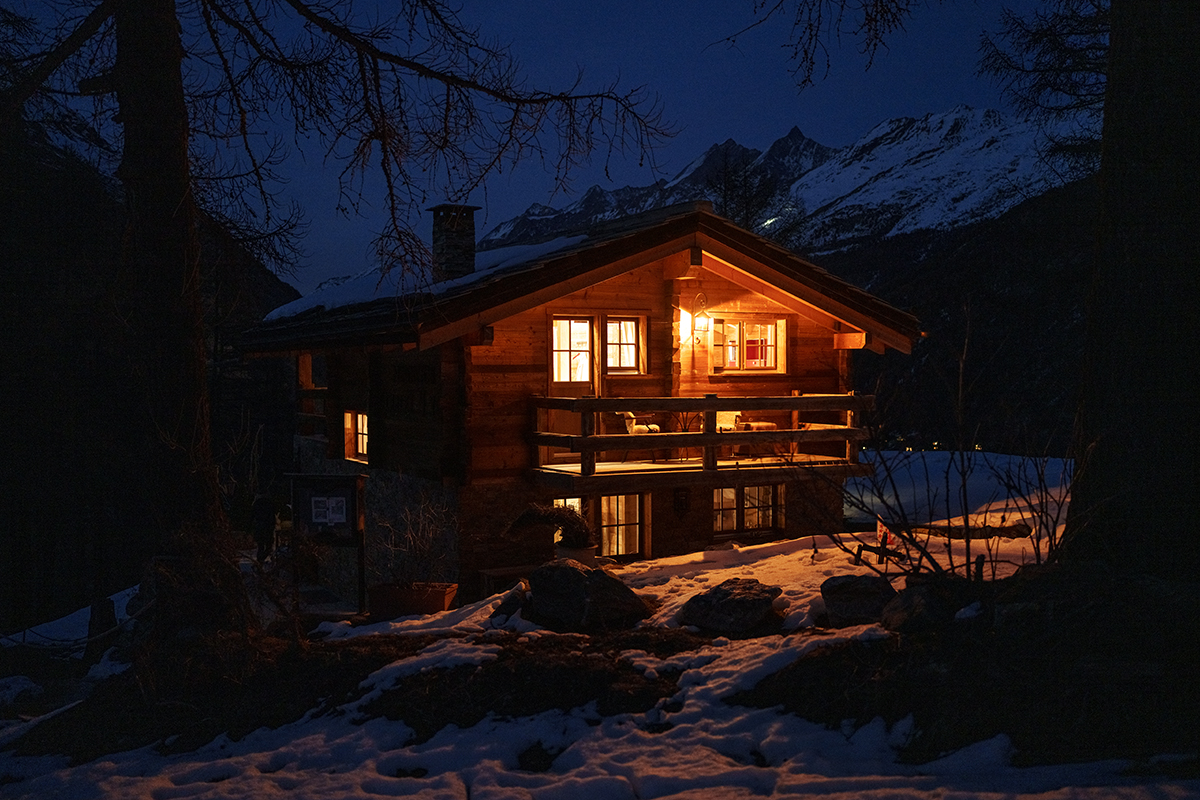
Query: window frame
(638, 344)
(356, 430)
(744, 502)
(720, 347)
(620, 526)
(590, 352)
(592, 509)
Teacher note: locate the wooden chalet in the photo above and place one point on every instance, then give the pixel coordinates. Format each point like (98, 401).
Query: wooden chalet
(678, 379)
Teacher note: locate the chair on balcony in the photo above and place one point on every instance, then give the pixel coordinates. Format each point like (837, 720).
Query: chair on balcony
(635, 424)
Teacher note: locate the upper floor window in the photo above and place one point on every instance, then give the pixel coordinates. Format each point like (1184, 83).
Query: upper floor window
(622, 345)
(748, 345)
(355, 424)
(571, 350)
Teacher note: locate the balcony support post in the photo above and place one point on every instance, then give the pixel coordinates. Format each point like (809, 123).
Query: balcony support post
(710, 426)
(587, 428)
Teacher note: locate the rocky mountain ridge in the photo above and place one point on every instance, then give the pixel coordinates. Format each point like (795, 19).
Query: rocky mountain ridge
(937, 172)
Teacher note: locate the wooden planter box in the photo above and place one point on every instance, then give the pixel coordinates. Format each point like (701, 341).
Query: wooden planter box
(391, 600)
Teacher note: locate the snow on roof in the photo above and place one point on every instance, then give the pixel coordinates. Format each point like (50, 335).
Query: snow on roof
(374, 284)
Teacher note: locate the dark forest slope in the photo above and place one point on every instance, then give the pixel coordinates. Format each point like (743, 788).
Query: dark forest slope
(1005, 299)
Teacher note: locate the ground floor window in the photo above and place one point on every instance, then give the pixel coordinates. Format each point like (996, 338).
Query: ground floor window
(617, 520)
(620, 525)
(747, 508)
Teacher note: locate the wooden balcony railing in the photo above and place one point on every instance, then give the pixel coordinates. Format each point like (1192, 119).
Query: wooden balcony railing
(682, 412)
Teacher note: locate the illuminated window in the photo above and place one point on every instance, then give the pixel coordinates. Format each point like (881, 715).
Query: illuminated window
(747, 508)
(620, 525)
(621, 345)
(725, 509)
(571, 350)
(355, 423)
(748, 345)
(758, 351)
(758, 507)
(573, 503)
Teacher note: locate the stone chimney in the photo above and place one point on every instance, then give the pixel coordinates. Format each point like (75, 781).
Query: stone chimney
(453, 241)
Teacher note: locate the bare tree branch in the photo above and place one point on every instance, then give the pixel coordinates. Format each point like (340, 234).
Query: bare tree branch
(29, 84)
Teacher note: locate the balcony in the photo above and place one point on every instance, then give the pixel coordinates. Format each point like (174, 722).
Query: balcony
(706, 440)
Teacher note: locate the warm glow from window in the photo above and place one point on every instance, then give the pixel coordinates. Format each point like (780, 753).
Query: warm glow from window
(759, 346)
(355, 423)
(759, 506)
(571, 350)
(725, 509)
(747, 508)
(748, 345)
(620, 525)
(621, 343)
(573, 503)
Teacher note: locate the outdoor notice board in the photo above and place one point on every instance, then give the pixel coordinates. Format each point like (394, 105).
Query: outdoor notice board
(328, 509)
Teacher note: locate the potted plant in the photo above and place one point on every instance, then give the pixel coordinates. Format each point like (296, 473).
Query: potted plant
(574, 538)
(410, 564)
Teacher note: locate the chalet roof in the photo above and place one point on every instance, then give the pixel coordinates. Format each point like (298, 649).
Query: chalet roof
(379, 309)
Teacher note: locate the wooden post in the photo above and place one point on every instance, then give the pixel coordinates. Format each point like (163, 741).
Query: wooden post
(587, 428)
(794, 446)
(535, 421)
(710, 426)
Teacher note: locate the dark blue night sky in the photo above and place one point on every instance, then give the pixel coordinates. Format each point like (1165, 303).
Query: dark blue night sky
(710, 91)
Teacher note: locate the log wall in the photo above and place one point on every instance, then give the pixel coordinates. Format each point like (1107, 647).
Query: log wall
(461, 413)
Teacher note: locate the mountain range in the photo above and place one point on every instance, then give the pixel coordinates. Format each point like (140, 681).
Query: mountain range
(934, 173)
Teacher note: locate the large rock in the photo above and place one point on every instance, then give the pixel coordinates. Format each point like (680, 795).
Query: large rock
(568, 596)
(917, 609)
(855, 599)
(732, 607)
(929, 601)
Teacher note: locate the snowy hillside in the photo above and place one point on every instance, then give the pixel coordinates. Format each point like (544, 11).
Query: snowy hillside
(904, 175)
(907, 175)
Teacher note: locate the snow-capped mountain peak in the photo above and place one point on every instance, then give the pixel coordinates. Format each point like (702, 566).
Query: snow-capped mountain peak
(903, 175)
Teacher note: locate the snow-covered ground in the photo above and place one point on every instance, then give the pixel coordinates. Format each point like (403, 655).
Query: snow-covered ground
(711, 750)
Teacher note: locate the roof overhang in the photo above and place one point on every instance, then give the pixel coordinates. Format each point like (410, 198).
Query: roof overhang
(855, 318)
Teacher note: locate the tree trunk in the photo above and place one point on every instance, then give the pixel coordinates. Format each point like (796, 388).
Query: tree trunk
(1133, 502)
(159, 300)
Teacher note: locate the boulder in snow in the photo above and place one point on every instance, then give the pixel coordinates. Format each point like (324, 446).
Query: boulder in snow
(732, 607)
(568, 596)
(855, 599)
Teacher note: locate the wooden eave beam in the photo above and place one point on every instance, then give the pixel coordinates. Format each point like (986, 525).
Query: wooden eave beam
(584, 268)
(719, 267)
(809, 294)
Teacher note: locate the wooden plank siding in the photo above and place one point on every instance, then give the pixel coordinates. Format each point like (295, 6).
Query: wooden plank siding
(450, 387)
(462, 410)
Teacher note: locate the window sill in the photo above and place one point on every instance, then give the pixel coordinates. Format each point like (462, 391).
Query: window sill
(743, 374)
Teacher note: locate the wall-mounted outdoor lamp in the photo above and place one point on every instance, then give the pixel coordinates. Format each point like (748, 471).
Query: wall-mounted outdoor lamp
(700, 318)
